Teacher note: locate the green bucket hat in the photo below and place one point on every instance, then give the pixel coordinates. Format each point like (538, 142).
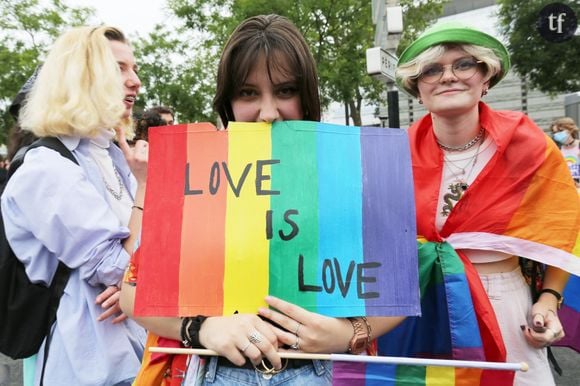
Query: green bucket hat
(455, 32)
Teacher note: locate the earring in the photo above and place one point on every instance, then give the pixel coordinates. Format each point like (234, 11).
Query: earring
(420, 101)
(484, 92)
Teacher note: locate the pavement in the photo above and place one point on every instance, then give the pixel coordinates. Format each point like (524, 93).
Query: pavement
(11, 370)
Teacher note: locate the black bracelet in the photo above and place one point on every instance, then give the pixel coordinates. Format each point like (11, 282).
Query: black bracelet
(137, 207)
(557, 294)
(185, 339)
(190, 327)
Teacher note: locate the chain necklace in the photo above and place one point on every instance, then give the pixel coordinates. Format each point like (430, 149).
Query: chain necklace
(467, 146)
(116, 195)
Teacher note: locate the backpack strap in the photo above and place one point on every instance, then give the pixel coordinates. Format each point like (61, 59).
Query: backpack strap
(62, 274)
(50, 142)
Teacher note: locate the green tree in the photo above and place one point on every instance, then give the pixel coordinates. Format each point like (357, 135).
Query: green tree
(550, 67)
(27, 28)
(173, 73)
(338, 32)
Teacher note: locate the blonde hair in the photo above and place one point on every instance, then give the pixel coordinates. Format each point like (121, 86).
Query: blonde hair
(565, 123)
(79, 88)
(408, 73)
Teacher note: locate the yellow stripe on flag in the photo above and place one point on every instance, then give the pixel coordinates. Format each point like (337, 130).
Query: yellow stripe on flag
(439, 376)
(247, 248)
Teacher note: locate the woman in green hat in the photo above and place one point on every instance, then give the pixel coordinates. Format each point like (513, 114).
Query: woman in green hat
(491, 184)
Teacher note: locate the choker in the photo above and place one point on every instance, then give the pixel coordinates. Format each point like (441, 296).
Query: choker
(468, 145)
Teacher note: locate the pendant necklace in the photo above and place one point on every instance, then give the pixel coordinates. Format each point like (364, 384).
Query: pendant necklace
(461, 184)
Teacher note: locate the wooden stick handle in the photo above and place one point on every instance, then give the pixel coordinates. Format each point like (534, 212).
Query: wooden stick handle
(365, 358)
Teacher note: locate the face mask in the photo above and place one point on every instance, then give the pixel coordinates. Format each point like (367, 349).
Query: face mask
(561, 137)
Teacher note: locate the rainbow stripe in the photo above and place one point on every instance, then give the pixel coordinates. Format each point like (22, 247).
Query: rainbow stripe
(371, 374)
(313, 213)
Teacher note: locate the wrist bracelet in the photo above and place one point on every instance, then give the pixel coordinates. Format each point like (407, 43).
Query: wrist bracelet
(555, 293)
(190, 327)
(137, 207)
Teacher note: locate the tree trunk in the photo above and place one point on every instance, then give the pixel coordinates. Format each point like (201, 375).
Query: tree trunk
(355, 112)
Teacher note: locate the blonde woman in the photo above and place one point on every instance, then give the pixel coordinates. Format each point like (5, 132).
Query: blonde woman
(493, 185)
(86, 216)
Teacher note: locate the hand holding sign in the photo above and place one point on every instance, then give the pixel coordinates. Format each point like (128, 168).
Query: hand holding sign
(306, 330)
(240, 335)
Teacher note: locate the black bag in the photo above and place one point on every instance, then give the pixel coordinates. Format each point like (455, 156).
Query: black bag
(27, 310)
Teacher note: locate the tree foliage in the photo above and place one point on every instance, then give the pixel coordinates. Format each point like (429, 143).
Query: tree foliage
(27, 29)
(173, 72)
(338, 32)
(550, 67)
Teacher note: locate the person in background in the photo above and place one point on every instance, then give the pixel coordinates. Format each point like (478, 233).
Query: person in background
(471, 167)
(565, 132)
(166, 114)
(266, 74)
(87, 215)
(155, 116)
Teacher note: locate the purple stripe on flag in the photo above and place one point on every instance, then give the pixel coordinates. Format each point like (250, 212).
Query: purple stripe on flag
(348, 373)
(570, 319)
(381, 204)
(569, 314)
(469, 353)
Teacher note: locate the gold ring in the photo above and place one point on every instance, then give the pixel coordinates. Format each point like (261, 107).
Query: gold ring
(271, 370)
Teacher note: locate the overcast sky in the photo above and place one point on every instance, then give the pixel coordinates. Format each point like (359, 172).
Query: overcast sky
(131, 16)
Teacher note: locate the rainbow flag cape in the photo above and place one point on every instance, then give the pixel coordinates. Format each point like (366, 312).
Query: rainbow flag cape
(313, 213)
(524, 202)
(456, 322)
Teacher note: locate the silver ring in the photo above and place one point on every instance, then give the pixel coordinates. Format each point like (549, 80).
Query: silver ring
(296, 346)
(255, 337)
(246, 347)
(297, 328)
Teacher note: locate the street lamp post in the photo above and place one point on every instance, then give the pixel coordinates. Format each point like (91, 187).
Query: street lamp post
(382, 59)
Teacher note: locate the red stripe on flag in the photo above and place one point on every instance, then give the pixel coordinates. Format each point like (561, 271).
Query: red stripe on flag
(491, 338)
(157, 289)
